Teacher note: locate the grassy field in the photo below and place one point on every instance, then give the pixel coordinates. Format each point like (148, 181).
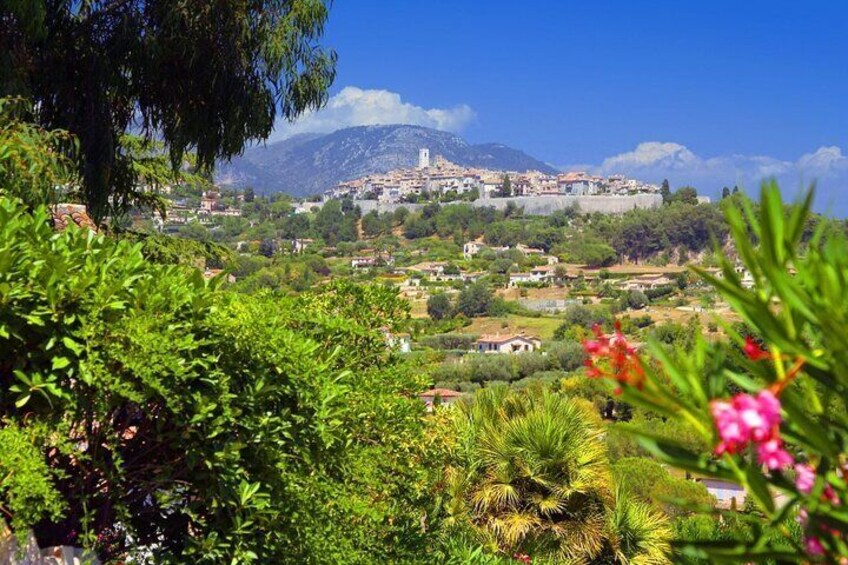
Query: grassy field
(542, 328)
(547, 293)
(628, 269)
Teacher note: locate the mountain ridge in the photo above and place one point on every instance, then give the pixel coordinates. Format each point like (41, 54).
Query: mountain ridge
(308, 163)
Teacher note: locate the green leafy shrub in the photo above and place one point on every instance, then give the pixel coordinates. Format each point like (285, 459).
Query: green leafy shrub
(651, 482)
(567, 355)
(200, 424)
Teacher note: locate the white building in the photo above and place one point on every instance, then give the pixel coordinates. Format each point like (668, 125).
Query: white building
(299, 245)
(471, 248)
(509, 343)
(543, 274)
(400, 342)
(362, 262)
(745, 276)
(423, 158)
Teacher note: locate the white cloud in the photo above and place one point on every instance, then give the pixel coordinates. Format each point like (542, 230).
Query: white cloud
(653, 161)
(354, 106)
(824, 161)
(651, 154)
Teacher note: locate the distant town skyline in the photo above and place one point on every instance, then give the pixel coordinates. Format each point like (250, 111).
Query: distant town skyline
(714, 93)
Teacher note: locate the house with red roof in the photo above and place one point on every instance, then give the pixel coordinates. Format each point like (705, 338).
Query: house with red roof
(507, 343)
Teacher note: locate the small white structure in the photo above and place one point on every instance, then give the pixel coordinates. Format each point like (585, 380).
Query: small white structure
(745, 276)
(471, 248)
(368, 261)
(508, 343)
(727, 494)
(433, 270)
(363, 262)
(400, 342)
(423, 158)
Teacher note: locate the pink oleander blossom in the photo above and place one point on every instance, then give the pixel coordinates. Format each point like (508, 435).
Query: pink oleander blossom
(805, 478)
(771, 454)
(730, 430)
(746, 418)
(814, 546)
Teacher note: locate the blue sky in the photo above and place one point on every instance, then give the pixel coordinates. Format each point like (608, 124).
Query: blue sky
(716, 88)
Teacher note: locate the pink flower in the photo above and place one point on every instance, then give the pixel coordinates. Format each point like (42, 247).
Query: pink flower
(751, 417)
(747, 418)
(805, 478)
(814, 546)
(771, 454)
(769, 408)
(729, 427)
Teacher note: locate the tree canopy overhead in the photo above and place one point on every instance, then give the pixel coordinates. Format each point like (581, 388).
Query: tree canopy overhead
(203, 76)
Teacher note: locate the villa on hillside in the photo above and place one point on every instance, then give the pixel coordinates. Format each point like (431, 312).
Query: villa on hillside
(526, 250)
(542, 274)
(363, 262)
(368, 261)
(646, 282)
(430, 269)
(507, 343)
(472, 248)
(516, 279)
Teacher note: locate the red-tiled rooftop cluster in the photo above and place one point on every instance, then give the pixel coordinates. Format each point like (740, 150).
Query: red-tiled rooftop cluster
(67, 214)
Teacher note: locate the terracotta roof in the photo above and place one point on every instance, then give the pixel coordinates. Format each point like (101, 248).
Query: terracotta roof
(504, 338)
(442, 392)
(66, 214)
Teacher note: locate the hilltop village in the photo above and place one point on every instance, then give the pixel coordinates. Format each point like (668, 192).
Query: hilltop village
(438, 179)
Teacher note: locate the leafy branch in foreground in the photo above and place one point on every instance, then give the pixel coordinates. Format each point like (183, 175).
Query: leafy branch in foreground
(785, 436)
(35, 163)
